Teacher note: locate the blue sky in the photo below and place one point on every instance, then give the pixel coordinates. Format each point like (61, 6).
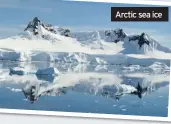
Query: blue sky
(15, 14)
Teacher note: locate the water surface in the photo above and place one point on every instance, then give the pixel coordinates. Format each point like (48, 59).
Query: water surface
(103, 89)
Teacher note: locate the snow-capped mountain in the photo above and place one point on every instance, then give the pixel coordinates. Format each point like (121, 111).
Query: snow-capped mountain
(143, 40)
(132, 44)
(35, 27)
(44, 42)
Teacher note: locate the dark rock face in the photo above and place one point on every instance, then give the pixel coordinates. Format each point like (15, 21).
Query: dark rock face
(139, 91)
(64, 32)
(49, 27)
(33, 25)
(119, 33)
(141, 39)
(115, 35)
(30, 94)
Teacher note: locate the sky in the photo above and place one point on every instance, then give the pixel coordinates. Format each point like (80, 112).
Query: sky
(15, 15)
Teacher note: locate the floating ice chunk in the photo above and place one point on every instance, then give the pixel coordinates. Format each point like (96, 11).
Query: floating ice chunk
(49, 78)
(132, 68)
(123, 109)
(17, 71)
(100, 67)
(158, 65)
(14, 90)
(47, 71)
(161, 67)
(100, 60)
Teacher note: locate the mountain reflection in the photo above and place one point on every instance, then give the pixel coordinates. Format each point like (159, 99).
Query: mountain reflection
(115, 90)
(106, 81)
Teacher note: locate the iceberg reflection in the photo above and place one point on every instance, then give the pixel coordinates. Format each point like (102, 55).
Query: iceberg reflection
(97, 84)
(87, 88)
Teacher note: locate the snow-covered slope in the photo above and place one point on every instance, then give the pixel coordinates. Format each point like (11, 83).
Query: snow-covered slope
(43, 42)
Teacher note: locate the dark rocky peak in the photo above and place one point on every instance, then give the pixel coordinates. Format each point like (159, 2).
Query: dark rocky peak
(140, 38)
(64, 32)
(118, 33)
(140, 91)
(30, 94)
(33, 26)
(35, 22)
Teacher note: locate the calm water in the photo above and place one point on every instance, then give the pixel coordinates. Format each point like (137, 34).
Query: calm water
(103, 89)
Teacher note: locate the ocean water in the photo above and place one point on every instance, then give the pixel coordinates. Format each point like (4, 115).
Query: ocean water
(103, 89)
